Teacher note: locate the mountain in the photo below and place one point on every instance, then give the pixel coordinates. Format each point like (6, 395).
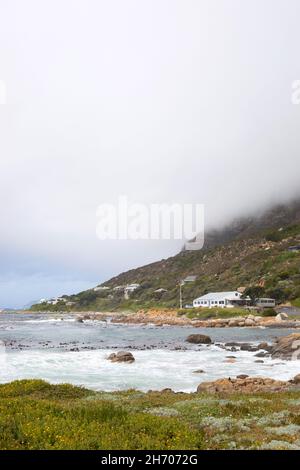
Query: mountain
(251, 251)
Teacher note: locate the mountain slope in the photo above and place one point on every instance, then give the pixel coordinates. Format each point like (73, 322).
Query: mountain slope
(248, 252)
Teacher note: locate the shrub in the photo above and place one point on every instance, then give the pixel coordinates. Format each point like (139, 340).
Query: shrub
(268, 312)
(273, 236)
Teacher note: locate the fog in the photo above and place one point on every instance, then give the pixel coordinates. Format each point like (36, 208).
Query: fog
(162, 101)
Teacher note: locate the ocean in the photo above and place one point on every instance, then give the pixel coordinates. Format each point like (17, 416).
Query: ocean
(59, 349)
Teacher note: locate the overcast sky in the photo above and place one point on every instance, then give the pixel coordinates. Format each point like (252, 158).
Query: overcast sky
(160, 100)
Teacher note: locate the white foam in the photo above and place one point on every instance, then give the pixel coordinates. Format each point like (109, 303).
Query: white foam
(153, 369)
(50, 320)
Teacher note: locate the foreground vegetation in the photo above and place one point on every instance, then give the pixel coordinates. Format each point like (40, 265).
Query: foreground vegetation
(37, 415)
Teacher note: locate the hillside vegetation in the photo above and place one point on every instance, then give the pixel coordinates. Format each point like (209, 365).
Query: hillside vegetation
(248, 253)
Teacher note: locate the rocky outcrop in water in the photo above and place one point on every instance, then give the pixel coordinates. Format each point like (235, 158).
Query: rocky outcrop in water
(287, 347)
(121, 356)
(199, 339)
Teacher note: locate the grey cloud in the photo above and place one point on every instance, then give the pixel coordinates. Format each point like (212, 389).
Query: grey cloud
(164, 101)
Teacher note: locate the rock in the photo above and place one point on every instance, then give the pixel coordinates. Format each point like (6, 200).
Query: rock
(264, 346)
(281, 316)
(287, 347)
(242, 376)
(258, 319)
(296, 379)
(79, 320)
(248, 347)
(199, 371)
(230, 361)
(245, 385)
(86, 317)
(261, 354)
(121, 356)
(199, 339)
(249, 322)
(259, 361)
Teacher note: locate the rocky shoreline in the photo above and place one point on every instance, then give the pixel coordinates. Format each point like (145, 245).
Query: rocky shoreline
(171, 318)
(249, 385)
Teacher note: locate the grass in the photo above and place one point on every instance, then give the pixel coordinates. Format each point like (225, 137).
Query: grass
(296, 302)
(37, 415)
(207, 313)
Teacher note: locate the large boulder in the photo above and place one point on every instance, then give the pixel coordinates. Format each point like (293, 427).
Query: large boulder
(199, 339)
(296, 379)
(287, 347)
(265, 346)
(281, 317)
(245, 385)
(121, 356)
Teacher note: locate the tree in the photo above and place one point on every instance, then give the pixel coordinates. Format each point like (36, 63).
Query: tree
(254, 292)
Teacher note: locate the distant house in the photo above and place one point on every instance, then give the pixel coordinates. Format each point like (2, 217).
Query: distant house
(219, 299)
(189, 279)
(56, 301)
(294, 248)
(131, 287)
(265, 303)
(101, 288)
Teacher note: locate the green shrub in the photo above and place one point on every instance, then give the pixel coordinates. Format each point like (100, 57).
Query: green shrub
(273, 236)
(296, 302)
(57, 421)
(268, 312)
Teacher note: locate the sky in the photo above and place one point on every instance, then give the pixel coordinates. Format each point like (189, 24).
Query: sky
(164, 101)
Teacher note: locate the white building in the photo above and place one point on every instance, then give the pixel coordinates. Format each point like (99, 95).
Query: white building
(129, 289)
(132, 287)
(189, 279)
(56, 301)
(218, 299)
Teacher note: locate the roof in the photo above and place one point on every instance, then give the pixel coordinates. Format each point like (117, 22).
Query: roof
(190, 279)
(132, 286)
(220, 295)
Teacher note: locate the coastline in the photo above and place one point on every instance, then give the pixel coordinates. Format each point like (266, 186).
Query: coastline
(170, 318)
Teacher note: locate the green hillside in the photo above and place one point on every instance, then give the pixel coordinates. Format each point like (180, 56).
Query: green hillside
(248, 253)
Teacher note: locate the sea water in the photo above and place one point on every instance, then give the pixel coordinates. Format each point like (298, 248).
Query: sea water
(60, 350)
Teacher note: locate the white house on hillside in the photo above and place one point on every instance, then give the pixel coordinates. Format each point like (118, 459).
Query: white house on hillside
(129, 289)
(218, 299)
